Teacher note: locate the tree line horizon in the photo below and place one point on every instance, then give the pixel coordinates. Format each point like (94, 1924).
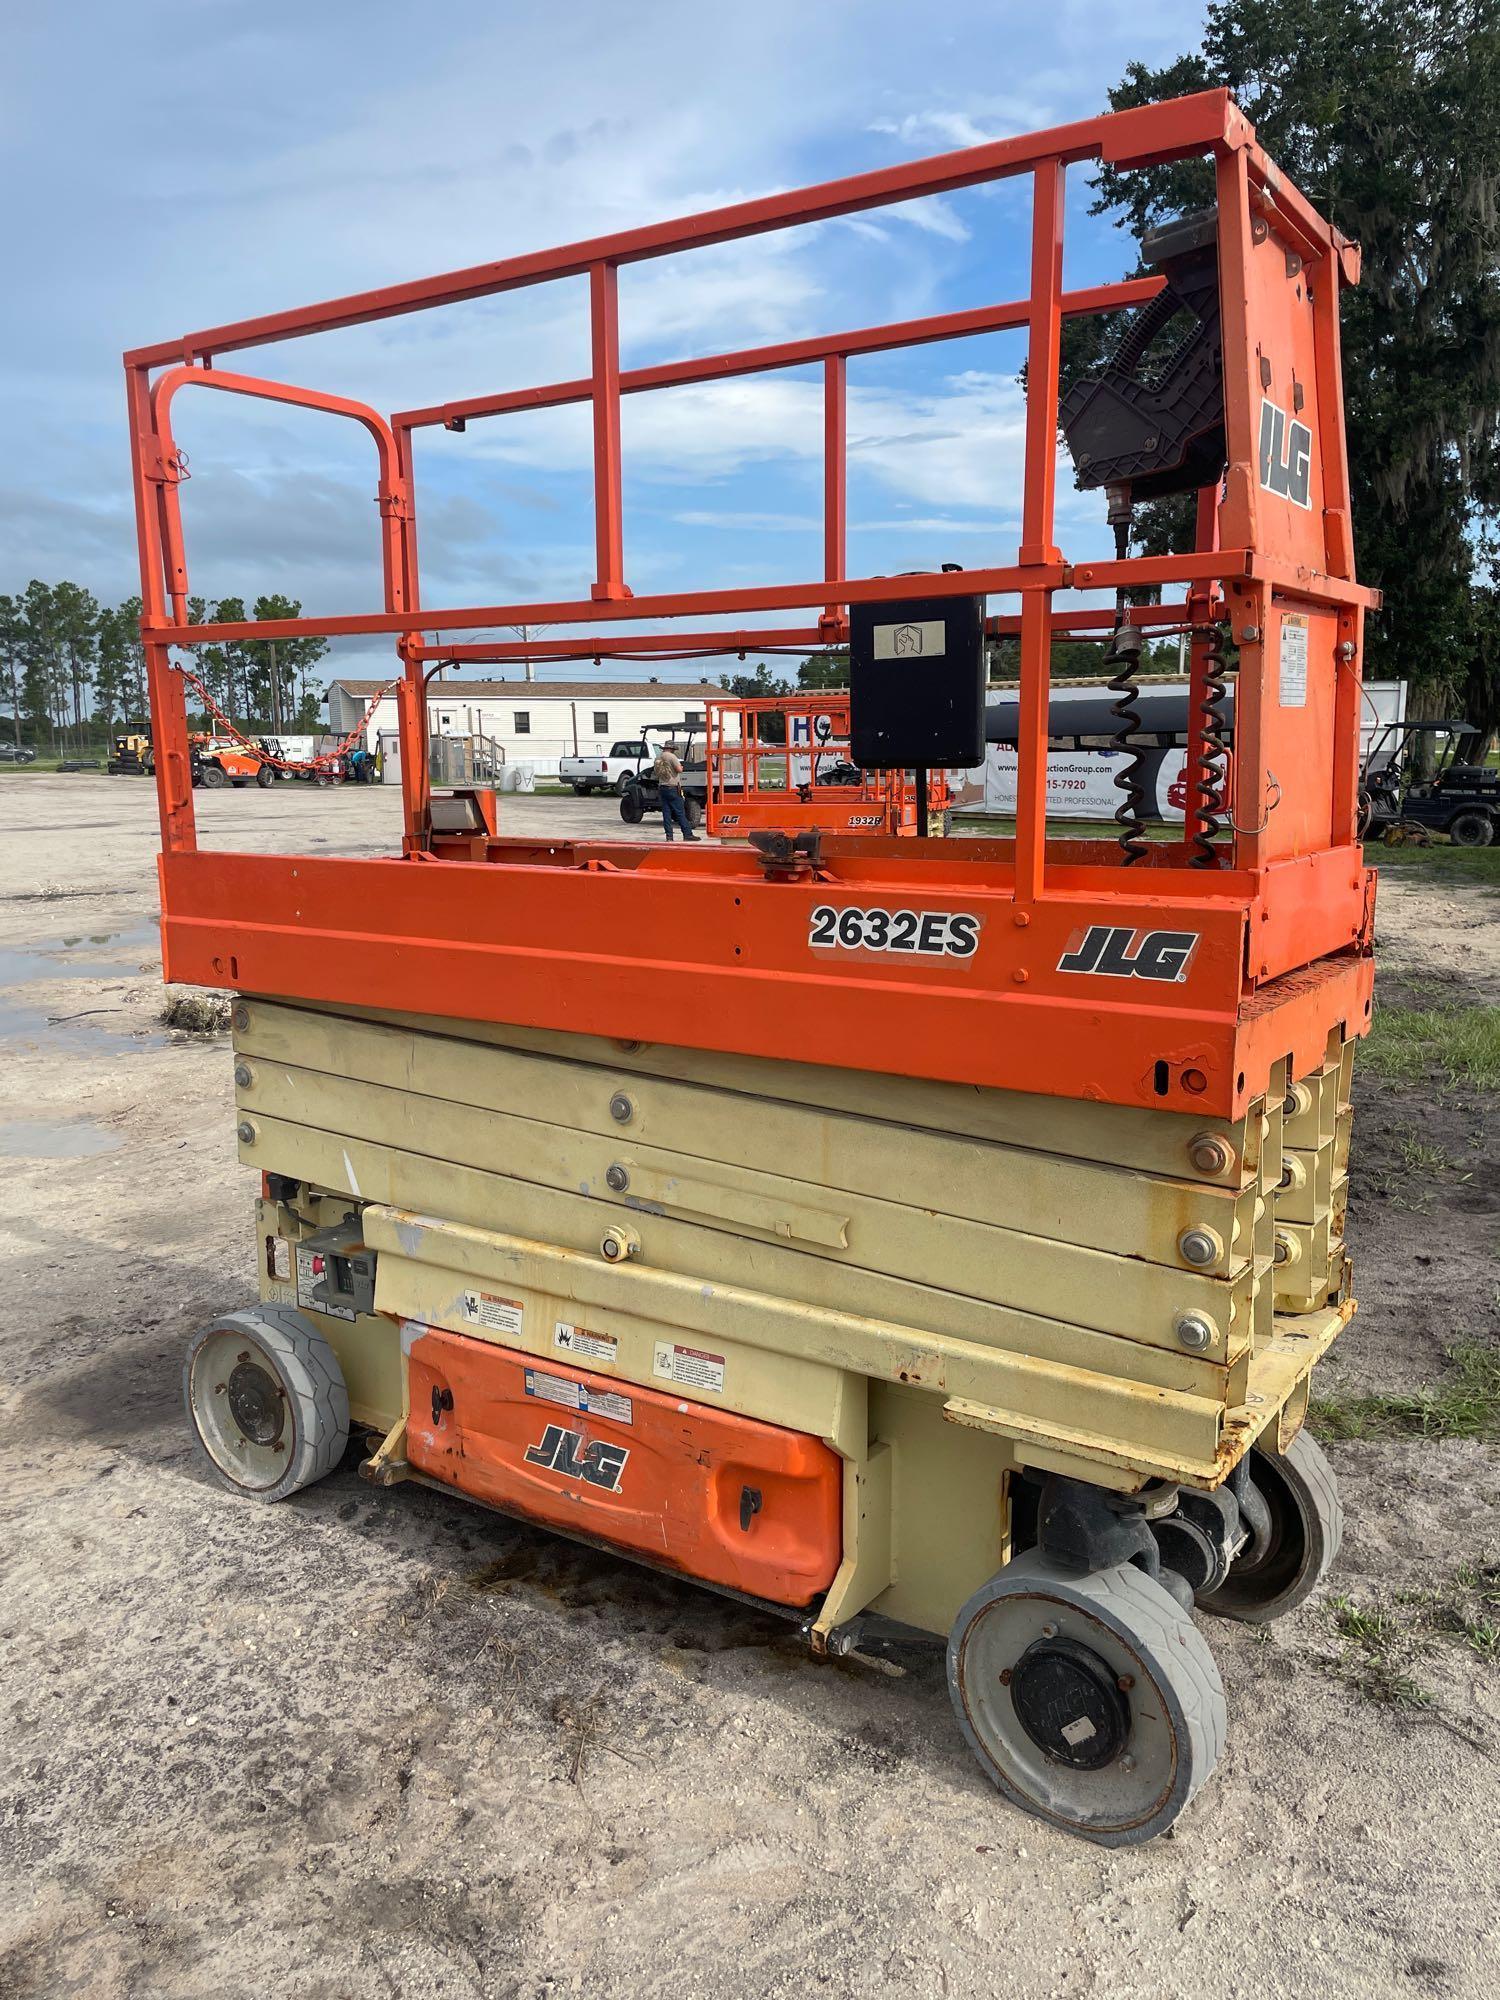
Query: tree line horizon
(73, 670)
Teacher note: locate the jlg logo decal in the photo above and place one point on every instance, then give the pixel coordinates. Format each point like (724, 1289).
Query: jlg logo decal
(565, 1451)
(1119, 952)
(1285, 455)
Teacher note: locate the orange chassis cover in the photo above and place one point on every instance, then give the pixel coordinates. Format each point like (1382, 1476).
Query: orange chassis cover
(722, 1498)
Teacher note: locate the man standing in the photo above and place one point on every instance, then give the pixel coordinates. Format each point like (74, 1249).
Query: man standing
(667, 771)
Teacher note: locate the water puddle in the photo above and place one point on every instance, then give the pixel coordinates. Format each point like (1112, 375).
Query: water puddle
(101, 954)
(54, 1139)
(90, 955)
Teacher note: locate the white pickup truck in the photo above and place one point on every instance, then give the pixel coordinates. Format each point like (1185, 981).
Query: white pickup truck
(608, 774)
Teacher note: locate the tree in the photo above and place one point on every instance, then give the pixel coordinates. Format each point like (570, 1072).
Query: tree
(41, 681)
(134, 706)
(75, 615)
(823, 670)
(1386, 113)
(276, 666)
(12, 655)
(115, 667)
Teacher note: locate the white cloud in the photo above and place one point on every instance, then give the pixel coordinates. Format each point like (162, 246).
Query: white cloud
(311, 151)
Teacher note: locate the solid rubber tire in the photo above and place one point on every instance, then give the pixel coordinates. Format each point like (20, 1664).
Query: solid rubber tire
(307, 1368)
(1147, 1618)
(1306, 1477)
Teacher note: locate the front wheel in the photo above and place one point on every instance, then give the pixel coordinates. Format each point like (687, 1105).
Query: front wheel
(623, 783)
(213, 777)
(265, 776)
(632, 806)
(267, 1401)
(1472, 829)
(1307, 1525)
(1091, 1701)
(694, 810)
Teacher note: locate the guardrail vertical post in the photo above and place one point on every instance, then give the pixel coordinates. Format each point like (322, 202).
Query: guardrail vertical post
(835, 477)
(609, 534)
(1043, 362)
(169, 732)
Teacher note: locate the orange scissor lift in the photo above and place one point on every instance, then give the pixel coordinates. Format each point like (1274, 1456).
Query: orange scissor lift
(912, 1235)
(781, 764)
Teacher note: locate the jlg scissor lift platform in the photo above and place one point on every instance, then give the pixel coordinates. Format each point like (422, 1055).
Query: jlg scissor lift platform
(906, 1232)
(781, 764)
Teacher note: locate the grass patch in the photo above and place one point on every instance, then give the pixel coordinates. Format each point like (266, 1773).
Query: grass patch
(1439, 863)
(1418, 1044)
(1386, 1641)
(1380, 1651)
(1466, 1405)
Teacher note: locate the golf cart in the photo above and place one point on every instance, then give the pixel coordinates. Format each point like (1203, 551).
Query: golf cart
(641, 793)
(1410, 789)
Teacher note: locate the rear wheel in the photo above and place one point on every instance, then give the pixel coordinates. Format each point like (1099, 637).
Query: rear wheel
(213, 777)
(1091, 1701)
(1307, 1525)
(265, 776)
(694, 810)
(1472, 829)
(267, 1400)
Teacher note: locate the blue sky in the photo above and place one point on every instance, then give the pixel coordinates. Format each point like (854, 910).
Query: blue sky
(176, 167)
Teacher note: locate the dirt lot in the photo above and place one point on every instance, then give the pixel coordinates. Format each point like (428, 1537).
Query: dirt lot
(380, 1743)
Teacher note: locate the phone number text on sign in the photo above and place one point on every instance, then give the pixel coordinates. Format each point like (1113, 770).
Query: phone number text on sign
(866, 927)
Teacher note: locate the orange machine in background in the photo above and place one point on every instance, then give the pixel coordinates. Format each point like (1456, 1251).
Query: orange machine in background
(783, 762)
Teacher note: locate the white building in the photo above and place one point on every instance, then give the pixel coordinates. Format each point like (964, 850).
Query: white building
(533, 722)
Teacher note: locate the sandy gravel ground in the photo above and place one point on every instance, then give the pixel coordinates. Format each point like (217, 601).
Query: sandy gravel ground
(384, 1744)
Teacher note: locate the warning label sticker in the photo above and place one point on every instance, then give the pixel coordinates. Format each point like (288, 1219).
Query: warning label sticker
(690, 1366)
(499, 1315)
(570, 1339)
(1293, 675)
(579, 1396)
(310, 1272)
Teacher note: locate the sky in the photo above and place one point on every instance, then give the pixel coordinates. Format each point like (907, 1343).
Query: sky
(175, 167)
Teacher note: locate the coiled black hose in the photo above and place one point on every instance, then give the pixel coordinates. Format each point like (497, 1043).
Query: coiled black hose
(1124, 655)
(1213, 750)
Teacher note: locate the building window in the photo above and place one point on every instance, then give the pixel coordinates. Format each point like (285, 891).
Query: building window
(601, 722)
(522, 721)
(695, 715)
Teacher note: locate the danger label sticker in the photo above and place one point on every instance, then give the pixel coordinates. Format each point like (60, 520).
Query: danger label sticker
(579, 1396)
(499, 1315)
(693, 1367)
(571, 1339)
(1292, 682)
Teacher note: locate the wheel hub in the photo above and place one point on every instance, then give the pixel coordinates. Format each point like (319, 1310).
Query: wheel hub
(255, 1403)
(1069, 1703)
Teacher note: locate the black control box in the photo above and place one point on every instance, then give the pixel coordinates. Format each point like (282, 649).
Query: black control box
(916, 683)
